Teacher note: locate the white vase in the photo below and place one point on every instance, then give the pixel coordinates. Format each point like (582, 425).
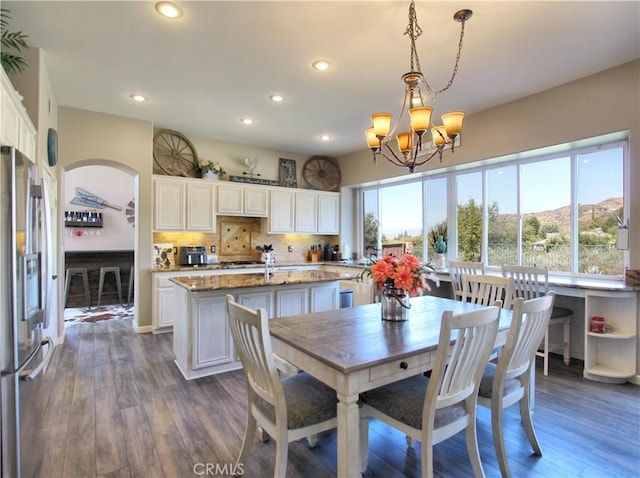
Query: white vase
(211, 176)
(439, 261)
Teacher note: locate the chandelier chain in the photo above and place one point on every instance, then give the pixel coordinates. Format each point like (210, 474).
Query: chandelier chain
(413, 31)
(455, 67)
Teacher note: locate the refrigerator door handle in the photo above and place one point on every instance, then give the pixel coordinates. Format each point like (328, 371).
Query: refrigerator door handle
(30, 374)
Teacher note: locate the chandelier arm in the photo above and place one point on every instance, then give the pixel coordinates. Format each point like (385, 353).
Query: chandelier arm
(395, 159)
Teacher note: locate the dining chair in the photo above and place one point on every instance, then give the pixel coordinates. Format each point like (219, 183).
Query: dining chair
(508, 382)
(289, 409)
(433, 409)
(457, 270)
(486, 289)
(531, 282)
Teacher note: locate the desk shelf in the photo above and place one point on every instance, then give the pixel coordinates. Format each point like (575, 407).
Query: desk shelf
(611, 357)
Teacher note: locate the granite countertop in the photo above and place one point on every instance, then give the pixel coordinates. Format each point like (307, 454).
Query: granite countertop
(239, 281)
(278, 265)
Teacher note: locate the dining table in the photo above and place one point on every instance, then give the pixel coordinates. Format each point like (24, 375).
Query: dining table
(353, 350)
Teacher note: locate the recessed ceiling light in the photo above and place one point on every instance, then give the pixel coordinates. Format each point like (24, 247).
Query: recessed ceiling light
(276, 98)
(325, 137)
(168, 9)
(138, 98)
(246, 121)
(321, 65)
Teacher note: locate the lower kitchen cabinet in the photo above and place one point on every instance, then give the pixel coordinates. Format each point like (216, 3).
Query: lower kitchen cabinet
(202, 341)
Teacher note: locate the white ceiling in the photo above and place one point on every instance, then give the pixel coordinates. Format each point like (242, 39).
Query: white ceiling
(220, 61)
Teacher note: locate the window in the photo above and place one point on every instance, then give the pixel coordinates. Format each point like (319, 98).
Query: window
(556, 210)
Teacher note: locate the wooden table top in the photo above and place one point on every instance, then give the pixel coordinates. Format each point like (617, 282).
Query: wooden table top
(357, 338)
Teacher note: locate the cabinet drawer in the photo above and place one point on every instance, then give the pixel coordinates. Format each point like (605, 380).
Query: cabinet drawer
(402, 368)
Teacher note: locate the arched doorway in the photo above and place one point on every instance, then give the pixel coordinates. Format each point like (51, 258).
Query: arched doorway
(102, 186)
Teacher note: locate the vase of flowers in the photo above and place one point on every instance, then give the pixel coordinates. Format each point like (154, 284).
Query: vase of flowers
(440, 248)
(211, 170)
(398, 279)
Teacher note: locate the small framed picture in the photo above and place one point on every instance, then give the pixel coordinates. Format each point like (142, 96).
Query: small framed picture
(288, 176)
(163, 256)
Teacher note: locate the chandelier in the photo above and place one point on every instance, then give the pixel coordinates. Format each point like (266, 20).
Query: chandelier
(415, 151)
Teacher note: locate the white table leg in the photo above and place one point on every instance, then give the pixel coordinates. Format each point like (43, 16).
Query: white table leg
(348, 436)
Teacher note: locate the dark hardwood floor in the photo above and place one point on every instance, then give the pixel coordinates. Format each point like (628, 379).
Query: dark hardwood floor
(117, 406)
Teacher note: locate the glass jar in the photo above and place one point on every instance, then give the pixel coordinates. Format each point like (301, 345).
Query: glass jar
(395, 304)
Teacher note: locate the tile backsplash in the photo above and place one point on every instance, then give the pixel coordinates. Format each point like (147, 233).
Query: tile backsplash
(237, 237)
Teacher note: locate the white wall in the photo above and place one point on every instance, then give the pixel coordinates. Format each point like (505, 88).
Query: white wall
(117, 189)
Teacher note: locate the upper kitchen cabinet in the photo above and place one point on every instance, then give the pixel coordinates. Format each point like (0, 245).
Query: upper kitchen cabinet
(17, 130)
(239, 200)
(328, 213)
(304, 211)
(183, 205)
(282, 211)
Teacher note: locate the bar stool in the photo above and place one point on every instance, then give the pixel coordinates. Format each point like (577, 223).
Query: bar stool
(130, 287)
(103, 272)
(69, 273)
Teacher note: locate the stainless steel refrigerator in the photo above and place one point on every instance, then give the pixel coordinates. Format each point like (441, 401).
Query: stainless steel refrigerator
(24, 352)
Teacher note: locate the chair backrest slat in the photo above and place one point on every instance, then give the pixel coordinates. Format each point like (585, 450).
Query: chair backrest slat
(459, 365)
(529, 282)
(457, 270)
(528, 326)
(250, 331)
(487, 289)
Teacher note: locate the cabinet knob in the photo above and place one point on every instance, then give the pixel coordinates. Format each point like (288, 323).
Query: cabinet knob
(404, 365)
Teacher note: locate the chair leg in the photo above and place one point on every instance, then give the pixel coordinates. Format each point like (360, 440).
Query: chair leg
(546, 353)
(472, 447)
(525, 415)
(312, 440)
(498, 435)
(426, 454)
(282, 450)
(567, 343)
(247, 443)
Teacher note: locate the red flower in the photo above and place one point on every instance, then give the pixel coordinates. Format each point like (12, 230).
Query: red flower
(406, 273)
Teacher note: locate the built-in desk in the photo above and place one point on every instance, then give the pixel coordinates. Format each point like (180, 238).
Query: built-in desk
(93, 261)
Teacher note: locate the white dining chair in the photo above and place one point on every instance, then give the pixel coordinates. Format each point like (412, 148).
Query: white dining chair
(296, 407)
(457, 270)
(508, 382)
(531, 282)
(433, 409)
(486, 289)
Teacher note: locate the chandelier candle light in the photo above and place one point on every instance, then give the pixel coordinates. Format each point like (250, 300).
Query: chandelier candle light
(411, 143)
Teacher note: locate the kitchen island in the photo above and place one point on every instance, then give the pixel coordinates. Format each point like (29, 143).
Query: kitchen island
(202, 341)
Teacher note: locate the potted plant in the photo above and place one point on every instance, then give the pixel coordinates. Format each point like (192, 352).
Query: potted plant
(211, 170)
(11, 63)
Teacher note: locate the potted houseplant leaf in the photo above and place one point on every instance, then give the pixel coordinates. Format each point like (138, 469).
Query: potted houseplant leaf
(12, 43)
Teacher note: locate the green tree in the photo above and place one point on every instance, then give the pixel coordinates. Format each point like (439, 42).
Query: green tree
(469, 231)
(371, 228)
(531, 230)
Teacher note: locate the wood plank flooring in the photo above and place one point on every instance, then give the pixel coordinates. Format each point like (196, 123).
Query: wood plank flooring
(117, 407)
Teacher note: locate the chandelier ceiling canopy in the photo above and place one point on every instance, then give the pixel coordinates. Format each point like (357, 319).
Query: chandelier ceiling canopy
(414, 150)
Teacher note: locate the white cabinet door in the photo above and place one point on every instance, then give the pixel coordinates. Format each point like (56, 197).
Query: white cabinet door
(169, 205)
(257, 300)
(201, 211)
(166, 307)
(230, 200)
(328, 213)
(324, 298)
(256, 202)
(292, 302)
(281, 212)
(306, 212)
(10, 121)
(211, 339)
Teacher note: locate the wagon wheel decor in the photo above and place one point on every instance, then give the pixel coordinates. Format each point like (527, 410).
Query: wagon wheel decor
(174, 154)
(323, 173)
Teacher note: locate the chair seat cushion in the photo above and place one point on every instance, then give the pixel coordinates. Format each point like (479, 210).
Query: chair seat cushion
(559, 312)
(309, 401)
(486, 384)
(404, 401)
